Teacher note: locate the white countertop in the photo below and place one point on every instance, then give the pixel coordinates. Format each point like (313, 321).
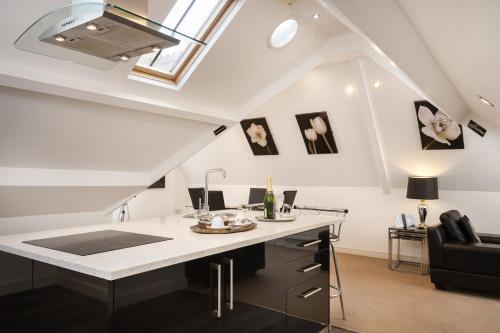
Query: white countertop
(186, 245)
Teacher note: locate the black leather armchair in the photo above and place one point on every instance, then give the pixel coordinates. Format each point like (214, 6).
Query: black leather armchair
(466, 265)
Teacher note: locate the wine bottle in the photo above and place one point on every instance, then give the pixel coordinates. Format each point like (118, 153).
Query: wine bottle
(269, 202)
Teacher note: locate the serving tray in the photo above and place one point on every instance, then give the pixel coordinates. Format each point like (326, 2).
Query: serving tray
(246, 227)
(279, 219)
(194, 215)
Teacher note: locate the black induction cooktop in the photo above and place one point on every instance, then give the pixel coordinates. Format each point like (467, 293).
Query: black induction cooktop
(96, 242)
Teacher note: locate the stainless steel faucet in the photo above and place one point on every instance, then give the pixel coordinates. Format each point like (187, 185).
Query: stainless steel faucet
(208, 172)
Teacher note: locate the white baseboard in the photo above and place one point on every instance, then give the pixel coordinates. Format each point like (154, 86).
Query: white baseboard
(373, 254)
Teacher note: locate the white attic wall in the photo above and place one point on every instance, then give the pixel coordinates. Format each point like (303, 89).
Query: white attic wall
(44, 200)
(468, 178)
(457, 169)
(60, 155)
(323, 89)
(44, 131)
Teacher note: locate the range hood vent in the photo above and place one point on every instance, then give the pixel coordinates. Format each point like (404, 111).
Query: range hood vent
(97, 35)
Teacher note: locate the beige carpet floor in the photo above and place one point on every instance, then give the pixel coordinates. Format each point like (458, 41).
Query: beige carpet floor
(378, 300)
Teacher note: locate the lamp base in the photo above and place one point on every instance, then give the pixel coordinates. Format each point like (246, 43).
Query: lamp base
(422, 226)
(422, 213)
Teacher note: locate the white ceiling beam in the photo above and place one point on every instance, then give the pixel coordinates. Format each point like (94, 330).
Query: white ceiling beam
(386, 27)
(371, 124)
(15, 76)
(65, 177)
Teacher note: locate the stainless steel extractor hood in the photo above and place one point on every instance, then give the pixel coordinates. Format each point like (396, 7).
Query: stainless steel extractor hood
(97, 35)
(110, 33)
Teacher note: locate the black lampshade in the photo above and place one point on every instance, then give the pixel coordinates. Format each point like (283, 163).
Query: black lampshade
(423, 188)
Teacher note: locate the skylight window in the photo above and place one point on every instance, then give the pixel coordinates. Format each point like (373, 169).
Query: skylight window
(194, 18)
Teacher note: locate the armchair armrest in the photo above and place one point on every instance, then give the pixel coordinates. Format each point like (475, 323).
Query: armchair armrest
(477, 258)
(490, 238)
(435, 239)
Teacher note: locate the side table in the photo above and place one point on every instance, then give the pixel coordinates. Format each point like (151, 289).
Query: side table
(410, 234)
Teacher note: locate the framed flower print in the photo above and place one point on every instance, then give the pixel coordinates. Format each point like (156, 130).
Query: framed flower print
(437, 129)
(317, 133)
(259, 136)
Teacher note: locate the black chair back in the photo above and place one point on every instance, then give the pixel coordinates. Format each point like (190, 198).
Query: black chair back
(289, 197)
(195, 193)
(256, 195)
(216, 200)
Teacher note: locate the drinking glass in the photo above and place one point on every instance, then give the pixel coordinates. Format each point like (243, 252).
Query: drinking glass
(278, 203)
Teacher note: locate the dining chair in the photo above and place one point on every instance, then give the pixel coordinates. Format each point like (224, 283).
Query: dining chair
(288, 198)
(256, 195)
(197, 193)
(216, 200)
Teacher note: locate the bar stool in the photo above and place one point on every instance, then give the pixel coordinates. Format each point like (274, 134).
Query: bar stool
(337, 289)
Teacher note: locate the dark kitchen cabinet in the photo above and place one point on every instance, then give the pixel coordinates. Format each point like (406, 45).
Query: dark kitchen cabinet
(288, 293)
(273, 287)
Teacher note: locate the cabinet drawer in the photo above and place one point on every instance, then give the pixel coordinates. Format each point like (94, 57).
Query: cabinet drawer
(310, 300)
(308, 242)
(301, 270)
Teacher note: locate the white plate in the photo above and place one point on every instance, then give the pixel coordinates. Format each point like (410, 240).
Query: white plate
(218, 228)
(239, 224)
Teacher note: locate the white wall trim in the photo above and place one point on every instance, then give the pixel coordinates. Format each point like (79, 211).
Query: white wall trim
(370, 118)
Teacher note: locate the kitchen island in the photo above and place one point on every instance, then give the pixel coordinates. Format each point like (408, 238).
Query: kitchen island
(274, 278)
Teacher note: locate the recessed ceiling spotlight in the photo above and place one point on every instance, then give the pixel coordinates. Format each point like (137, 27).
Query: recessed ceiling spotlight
(60, 38)
(349, 90)
(91, 26)
(156, 49)
(485, 101)
(315, 16)
(377, 84)
(124, 57)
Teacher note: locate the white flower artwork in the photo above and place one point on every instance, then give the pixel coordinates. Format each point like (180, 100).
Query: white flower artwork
(259, 136)
(311, 136)
(317, 133)
(437, 129)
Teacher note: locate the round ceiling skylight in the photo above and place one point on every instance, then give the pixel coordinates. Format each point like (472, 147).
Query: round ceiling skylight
(284, 33)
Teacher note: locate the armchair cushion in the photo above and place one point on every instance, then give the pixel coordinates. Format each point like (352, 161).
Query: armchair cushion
(468, 230)
(450, 221)
(478, 258)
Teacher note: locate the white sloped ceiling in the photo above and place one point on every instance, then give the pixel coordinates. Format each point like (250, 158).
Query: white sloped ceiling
(462, 35)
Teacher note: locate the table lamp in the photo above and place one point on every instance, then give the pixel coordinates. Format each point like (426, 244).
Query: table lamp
(422, 188)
